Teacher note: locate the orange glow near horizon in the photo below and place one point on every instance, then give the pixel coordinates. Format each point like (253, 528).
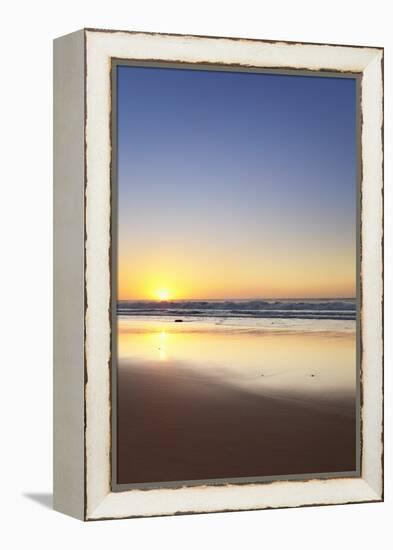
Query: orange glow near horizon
(226, 278)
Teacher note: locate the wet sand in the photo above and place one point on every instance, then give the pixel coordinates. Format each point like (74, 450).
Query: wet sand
(175, 424)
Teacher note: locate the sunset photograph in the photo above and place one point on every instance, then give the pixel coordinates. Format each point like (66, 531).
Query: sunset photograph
(236, 278)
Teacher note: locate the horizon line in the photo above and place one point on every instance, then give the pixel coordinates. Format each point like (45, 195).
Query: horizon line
(237, 299)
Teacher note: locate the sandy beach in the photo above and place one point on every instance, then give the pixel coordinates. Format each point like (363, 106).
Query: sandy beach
(180, 420)
(174, 426)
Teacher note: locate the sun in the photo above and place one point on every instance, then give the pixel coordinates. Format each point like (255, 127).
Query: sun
(162, 294)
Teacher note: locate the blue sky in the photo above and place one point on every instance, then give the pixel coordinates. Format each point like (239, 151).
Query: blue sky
(244, 178)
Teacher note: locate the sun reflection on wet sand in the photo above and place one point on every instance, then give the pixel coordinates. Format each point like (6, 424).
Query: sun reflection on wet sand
(298, 362)
(162, 345)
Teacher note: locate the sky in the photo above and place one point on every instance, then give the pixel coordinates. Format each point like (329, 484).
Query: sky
(235, 185)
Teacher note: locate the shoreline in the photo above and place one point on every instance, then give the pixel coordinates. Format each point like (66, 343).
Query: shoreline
(156, 323)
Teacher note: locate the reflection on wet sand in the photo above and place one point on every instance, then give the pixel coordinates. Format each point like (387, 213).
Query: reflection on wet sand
(201, 401)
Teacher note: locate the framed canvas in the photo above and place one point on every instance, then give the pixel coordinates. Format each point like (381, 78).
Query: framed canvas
(218, 268)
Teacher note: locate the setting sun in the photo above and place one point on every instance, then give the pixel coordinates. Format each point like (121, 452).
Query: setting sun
(162, 294)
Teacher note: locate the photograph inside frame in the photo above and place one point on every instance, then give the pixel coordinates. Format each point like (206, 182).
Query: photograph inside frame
(235, 329)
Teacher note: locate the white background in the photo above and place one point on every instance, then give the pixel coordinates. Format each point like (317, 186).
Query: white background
(26, 274)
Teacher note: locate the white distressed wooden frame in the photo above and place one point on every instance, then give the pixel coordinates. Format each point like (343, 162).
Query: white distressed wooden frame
(82, 108)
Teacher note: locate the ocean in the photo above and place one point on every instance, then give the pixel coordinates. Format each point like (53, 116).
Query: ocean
(337, 309)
